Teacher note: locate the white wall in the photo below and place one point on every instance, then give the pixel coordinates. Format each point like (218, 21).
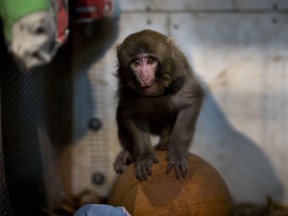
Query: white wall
(239, 49)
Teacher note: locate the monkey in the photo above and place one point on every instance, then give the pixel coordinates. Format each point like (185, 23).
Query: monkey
(158, 93)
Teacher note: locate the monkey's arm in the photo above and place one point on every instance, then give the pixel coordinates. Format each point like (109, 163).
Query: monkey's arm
(179, 142)
(134, 137)
(189, 101)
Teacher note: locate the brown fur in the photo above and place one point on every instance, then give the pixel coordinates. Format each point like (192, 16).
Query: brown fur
(170, 112)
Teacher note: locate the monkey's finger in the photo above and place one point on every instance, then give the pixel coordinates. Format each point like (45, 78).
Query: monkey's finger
(146, 172)
(184, 170)
(149, 170)
(177, 171)
(138, 175)
(169, 167)
(184, 167)
(141, 173)
(122, 168)
(117, 168)
(167, 157)
(145, 176)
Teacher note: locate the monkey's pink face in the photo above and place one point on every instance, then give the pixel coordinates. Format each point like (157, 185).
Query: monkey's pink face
(144, 67)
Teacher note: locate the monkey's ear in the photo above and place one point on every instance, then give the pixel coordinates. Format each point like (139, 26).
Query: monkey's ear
(170, 40)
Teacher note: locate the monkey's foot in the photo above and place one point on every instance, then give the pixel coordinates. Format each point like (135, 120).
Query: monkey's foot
(124, 158)
(161, 146)
(143, 166)
(180, 165)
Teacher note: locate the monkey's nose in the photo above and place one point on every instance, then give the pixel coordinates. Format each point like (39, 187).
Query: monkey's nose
(144, 81)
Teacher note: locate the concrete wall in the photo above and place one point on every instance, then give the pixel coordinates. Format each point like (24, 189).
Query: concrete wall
(239, 50)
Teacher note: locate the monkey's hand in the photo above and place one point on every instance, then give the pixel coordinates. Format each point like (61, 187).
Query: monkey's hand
(180, 164)
(124, 158)
(143, 166)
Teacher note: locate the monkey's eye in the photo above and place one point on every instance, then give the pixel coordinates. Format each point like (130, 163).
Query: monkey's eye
(136, 63)
(150, 60)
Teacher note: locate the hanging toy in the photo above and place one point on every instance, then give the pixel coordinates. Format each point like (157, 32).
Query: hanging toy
(34, 29)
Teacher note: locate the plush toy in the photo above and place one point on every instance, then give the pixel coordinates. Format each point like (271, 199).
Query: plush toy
(34, 29)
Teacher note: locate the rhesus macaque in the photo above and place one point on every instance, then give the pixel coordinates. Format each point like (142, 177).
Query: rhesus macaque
(158, 94)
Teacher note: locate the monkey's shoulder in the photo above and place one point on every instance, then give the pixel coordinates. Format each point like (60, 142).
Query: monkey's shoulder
(191, 87)
(190, 93)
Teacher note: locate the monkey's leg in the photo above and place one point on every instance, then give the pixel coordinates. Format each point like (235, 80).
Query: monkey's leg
(137, 132)
(143, 151)
(164, 140)
(125, 157)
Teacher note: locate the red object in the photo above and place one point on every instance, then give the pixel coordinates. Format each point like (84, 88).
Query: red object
(62, 21)
(91, 10)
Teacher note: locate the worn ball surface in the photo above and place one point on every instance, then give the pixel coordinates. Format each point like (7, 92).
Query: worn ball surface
(201, 193)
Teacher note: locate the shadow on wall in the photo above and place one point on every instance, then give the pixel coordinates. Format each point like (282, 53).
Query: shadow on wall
(245, 167)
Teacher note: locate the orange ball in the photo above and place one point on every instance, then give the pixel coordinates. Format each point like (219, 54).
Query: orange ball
(201, 193)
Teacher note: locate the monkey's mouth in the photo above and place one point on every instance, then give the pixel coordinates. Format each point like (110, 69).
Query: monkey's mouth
(148, 89)
(147, 85)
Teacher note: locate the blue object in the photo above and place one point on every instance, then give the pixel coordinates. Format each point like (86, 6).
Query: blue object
(100, 210)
